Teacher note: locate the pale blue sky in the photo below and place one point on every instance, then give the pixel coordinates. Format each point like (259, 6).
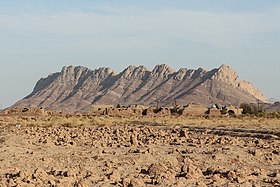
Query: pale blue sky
(38, 37)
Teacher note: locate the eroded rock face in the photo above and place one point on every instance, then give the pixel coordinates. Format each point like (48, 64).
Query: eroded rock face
(229, 76)
(78, 88)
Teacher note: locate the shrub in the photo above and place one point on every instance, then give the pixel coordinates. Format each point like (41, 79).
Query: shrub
(249, 108)
(224, 111)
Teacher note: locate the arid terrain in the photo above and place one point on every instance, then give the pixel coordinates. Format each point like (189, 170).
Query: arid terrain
(173, 151)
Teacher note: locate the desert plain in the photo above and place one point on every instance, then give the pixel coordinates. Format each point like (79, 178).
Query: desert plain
(148, 151)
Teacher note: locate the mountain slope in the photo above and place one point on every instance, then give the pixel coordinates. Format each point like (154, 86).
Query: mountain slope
(78, 88)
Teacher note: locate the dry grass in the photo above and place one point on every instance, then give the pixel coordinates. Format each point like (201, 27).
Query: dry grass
(251, 122)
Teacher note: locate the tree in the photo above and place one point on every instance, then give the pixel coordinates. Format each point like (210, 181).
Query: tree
(249, 108)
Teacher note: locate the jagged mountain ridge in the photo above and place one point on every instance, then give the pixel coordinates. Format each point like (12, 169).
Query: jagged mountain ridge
(77, 88)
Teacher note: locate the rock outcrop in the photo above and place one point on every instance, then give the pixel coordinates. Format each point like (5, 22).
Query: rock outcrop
(78, 88)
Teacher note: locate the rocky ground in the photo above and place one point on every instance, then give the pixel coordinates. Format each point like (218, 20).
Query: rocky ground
(138, 155)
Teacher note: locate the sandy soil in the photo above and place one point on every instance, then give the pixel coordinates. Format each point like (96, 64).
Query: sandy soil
(138, 154)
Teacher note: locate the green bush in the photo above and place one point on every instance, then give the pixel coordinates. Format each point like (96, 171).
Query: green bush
(224, 111)
(249, 108)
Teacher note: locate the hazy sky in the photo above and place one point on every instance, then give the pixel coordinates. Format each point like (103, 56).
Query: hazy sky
(38, 37)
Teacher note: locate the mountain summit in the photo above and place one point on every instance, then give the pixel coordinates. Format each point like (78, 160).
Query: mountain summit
(77, 88)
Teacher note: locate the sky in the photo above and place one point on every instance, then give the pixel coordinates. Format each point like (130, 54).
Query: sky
(39, 37)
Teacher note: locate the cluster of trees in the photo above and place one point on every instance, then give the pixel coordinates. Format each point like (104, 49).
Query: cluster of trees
(250, 108)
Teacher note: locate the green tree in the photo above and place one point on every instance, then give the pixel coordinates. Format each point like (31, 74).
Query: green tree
(249, 108)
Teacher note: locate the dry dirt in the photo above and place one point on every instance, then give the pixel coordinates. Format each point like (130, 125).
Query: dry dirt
(139, 154)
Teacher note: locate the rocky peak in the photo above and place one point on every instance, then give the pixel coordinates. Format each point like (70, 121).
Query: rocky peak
(200, 72)
(225, 69)
(73, 73)
(180, 74)
(77, 87)
(225, 74)
(133, 71)
(70, 70)
(224, 66)
(130, 68)
(67, 70)
(162, 70)
(141, 69)
(126, 73)
(105, 70)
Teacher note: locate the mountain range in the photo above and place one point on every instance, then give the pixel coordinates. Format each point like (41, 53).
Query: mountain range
(77, 88)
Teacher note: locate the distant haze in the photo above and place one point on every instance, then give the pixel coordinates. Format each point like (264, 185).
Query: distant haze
(40, 37)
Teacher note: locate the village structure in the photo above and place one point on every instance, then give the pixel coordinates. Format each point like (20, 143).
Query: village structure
(191, 109)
